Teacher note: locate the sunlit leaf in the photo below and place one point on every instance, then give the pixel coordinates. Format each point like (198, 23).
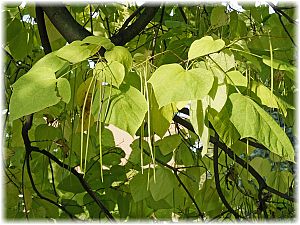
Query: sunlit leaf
(252, 121)
(171, 83)
(205, 46)
(126, 108)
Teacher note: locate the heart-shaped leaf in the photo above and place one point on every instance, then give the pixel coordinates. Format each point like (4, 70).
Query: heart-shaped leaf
(205, 46)
(171, 83)
(126, 107)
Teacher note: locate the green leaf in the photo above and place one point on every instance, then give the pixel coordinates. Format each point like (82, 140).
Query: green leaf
(168, 144)
(112, 73)
(64, 89)
(218, 93)
(72, 206)
(207, 198)
(51, 61)
(197, 116)
(205, 46)
(45, 135)
(100, 41)
(138, 187)
(205, 135)
(123, 205)
(252, 121)
(161, 117)
(70, 184)
(223, 126)
(281, 65)
(127, 108)
(237, 79)
(18, 40)
(120, 54)
(165, 183)
(171, 83)
(77, 51)
(218, 17)
(184, 156)
(135, 154)
(33, 92)
(259, 92)
(225, 59)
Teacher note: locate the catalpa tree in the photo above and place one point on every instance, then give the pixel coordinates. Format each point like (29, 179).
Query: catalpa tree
(205, 91)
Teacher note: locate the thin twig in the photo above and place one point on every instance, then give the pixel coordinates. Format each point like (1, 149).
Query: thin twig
(39, 194)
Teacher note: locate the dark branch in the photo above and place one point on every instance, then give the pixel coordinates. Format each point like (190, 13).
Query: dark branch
(40, 20)
(217, 180)
(279, 11)
(71, 30)
(183, 14)
(122, 37)
(40, 195)
(79, 176)
(66, 25)
(240, 161)
(130, 18)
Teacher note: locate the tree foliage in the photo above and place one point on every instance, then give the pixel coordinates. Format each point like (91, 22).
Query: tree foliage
(206, 91)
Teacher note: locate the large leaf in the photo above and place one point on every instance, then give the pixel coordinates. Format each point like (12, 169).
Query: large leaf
(218, 93)
(171, 83)
(281, 65)
(165, 183)
(70, 184)
(64, 89)
(138, 187)
(120, 54)
(225, 59)
(252, 121)
(223, 126)
(77, 51)
(126, 107)
(50, 61)
(218, 17)
(100, 41)
(205, 46)
(112, 73)
(161, 117)
(168, 144)
(33, 92)
(259, 92)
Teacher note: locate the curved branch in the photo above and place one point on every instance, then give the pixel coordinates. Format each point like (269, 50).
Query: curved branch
(39, 194)
(240, 161)
(66, 25)
(217, 180)
(130, 18)
(79, 176)
(71, 30)
(40, 20)
(122, 37)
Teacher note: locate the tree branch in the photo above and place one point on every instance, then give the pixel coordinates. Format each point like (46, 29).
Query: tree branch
(40, 20)
(123, 36)
(68, 27)
(130, 18)
(237, 159)
(39, 194)
(79, 176)
(217, 179)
